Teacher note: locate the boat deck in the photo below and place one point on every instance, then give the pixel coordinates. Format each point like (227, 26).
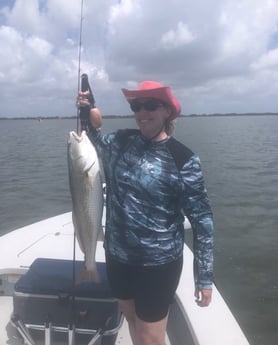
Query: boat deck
(53, 238)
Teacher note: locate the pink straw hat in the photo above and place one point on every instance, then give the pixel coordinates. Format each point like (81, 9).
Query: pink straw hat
(153, 89)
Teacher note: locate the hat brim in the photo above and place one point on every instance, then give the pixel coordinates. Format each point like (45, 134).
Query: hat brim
(164, 94)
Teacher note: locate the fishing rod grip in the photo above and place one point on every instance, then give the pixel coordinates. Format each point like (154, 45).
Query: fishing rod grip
(84, 112)
(85, 86)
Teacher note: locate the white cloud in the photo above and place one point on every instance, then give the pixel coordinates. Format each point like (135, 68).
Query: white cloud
(268, 60)
(26, 18)
(123, 9)
(179, 37)
(219, 56)
(39, 46)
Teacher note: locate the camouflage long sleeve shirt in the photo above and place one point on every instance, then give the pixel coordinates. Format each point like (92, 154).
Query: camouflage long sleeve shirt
(150, 185)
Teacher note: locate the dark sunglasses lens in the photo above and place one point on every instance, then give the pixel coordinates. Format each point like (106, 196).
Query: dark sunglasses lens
(152, 105)
(135, 106)
(149, 105)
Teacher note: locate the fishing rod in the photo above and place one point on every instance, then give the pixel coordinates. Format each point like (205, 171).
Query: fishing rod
(79, 60)
(83, 112)
(83, 122)
(71, 331)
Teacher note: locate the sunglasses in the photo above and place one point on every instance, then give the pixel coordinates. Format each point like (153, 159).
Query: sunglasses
(149, 105)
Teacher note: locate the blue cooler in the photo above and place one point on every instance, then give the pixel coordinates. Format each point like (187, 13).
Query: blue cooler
(45, 299)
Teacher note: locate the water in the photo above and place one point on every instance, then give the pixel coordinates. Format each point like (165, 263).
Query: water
(240, 163)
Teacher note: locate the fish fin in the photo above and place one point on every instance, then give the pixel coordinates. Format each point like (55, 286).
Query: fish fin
(85, 275)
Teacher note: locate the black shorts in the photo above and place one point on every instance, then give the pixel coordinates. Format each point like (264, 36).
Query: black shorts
(151, 287)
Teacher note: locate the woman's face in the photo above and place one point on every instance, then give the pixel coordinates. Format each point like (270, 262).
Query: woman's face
(150, 115)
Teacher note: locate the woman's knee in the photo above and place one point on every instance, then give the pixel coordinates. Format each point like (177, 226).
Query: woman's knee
(127, 307)
(151, 333)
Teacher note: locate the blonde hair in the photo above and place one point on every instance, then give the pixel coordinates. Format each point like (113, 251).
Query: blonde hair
(170, 126)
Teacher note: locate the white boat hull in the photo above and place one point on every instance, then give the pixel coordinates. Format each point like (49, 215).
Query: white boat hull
(53, 238)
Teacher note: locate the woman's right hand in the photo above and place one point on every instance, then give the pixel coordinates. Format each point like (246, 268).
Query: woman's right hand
(95, 116)
(82, 99)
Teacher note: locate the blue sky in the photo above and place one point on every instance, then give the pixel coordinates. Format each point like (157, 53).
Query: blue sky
(219, 56)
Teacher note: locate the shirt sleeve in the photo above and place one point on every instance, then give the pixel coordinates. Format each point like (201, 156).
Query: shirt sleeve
(198, 211)
(102, 142)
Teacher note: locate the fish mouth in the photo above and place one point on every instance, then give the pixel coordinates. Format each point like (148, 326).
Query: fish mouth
(76, 136)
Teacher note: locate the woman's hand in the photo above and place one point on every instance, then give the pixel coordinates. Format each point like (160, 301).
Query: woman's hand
(95, 116)
(203, 297)
(83, 99)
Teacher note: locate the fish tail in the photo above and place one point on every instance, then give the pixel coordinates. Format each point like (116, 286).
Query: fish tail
(85, 275)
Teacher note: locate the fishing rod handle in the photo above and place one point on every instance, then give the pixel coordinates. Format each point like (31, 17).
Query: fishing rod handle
(85, 86)
(84, 112)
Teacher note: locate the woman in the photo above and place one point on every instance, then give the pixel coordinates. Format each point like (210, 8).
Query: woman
(152, 180)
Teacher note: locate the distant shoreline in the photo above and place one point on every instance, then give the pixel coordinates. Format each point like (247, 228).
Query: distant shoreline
(40, 118)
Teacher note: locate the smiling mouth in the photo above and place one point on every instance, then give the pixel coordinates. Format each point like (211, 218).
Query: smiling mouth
(144, 121)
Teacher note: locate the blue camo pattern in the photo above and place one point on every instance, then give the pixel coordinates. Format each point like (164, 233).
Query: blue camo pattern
(146, 197)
